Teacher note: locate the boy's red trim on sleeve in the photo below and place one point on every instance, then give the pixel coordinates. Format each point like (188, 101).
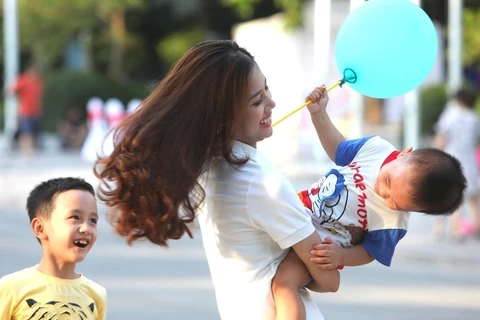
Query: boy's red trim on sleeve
(304, 197)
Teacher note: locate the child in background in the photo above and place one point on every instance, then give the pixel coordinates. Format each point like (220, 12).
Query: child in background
(458, 133)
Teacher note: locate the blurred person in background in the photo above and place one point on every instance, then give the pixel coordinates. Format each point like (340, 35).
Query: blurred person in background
(458, 133)
(29, 89)
(72, 129)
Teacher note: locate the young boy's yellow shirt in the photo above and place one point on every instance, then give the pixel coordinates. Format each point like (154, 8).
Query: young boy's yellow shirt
(30, 294)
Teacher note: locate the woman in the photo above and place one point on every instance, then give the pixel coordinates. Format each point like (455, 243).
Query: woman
(458, 133)
(191, 148)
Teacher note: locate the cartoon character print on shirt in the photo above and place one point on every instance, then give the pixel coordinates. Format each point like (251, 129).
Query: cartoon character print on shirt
(326, 200)
(59, 310)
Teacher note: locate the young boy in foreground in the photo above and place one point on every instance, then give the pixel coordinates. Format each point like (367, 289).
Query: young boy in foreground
(63, 217)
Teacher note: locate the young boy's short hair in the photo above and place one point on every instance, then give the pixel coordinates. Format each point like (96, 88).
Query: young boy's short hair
(41, 200)
(439, 183)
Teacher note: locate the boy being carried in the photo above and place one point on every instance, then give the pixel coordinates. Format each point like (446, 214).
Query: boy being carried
(361, 207)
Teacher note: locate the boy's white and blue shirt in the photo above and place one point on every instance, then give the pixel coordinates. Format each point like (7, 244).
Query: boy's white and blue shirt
(345, 197)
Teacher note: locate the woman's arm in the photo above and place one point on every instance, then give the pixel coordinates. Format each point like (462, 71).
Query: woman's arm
(326, 280)
(439, 141)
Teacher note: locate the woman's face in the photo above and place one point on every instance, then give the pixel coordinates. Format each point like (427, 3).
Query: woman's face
(255, 123)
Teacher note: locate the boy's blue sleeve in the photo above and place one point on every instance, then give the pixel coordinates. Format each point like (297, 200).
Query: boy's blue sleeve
(380, 244)
(348, 149)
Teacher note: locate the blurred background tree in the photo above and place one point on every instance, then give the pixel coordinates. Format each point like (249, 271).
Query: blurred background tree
(471, 37)
(131, 44)
(139, 39)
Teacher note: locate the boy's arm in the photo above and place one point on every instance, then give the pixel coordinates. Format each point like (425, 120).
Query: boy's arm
(5, 301)
(329, 256)
(15, 86)
(355, 256)
(328, 134)
(326, 280)
(102, 311)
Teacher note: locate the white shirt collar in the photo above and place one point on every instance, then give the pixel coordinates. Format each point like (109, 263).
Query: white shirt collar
(242, 149)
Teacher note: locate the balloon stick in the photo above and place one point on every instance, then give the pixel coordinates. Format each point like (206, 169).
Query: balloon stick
(350, 79)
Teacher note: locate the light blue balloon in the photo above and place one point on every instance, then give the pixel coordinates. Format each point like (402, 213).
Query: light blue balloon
(391, 45)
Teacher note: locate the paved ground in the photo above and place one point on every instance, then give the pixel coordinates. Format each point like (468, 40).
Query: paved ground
(428, 280)
(147, 282)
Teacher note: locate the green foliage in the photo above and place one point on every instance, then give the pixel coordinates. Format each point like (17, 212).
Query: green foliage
(106, 7)
(46, 26)
(2, 115)
(471, 36)
(244, 8)
(291, 8)
(432, 102)
(476, 105)
(173, 46)
(73, 89)
(293, 11)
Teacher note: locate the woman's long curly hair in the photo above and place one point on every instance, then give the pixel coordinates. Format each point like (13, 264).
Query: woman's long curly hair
(150, 180)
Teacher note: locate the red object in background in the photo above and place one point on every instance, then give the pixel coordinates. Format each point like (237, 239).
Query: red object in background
(465, 227)
(477, 155)
(29, 88)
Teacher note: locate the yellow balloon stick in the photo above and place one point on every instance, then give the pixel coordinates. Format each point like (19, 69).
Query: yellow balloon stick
(336, 84)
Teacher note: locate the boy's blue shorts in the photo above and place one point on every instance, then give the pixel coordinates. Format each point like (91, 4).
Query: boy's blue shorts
(28, 125)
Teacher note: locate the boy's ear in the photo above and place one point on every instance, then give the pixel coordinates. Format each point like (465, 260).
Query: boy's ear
(405, 152)
(38, 228)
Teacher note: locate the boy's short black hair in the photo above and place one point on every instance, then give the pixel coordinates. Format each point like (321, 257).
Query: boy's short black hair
(41, 200)
(439, 183)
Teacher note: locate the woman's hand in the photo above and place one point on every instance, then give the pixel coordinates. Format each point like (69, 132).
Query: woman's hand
(319, 98)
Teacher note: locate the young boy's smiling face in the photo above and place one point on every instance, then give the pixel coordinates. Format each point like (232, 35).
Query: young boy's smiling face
(71, 230)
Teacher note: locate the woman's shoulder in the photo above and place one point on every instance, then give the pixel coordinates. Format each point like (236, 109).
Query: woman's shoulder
(257, 163)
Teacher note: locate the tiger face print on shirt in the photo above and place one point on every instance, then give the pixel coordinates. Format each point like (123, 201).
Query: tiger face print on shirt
(59, 310)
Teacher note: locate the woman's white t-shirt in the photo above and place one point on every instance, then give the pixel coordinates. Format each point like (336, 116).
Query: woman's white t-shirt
(252, 216)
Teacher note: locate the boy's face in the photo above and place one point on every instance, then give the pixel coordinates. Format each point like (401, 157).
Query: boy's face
(393, 185)
(71, 231)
